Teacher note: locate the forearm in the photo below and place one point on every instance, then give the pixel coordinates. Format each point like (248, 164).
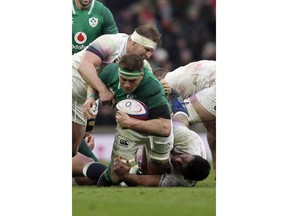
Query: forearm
(90, 75)
(92, 93)
(155, 127)
(142, 180)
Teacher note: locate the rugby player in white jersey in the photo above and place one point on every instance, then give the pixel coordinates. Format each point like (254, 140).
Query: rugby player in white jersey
(196, 83)
(187, 163)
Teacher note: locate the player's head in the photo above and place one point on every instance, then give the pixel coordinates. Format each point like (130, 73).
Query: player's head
(130, 72)
(160, 73)
(192, 167)
(144, 40)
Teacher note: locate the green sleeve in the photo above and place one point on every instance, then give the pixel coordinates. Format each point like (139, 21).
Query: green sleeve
(107, 73)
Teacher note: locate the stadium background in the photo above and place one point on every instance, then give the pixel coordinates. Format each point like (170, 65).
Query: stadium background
(188, 29)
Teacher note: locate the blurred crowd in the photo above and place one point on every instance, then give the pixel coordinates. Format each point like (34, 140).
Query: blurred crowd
(188, 29)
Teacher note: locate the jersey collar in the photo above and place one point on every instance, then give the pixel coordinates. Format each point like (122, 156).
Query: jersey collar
(74, 6)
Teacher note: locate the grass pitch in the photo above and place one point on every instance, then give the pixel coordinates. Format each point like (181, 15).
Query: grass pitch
(143, 201)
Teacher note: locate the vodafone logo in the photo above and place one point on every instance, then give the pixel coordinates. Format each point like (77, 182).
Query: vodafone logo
(80, 37)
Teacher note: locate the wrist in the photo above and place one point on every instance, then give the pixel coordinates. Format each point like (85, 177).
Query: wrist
(93, 95)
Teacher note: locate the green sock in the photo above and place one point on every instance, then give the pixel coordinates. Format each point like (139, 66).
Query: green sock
(107, 175)
(105, 179)
(85, 150)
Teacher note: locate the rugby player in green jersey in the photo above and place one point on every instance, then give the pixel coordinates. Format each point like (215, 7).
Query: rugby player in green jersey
(88, 63)
(90, 19)
(130, 79)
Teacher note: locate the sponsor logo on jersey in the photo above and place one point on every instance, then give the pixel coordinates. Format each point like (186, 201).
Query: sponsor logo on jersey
(80, 37)
(78, 47)
(93, 22)
(123, 142)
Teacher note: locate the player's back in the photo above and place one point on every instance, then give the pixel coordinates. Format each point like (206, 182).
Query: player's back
(187, 141)
(193, 77)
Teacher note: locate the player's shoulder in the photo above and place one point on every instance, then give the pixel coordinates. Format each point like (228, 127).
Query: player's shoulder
(112, 37)
(151, 80)
(100, 7)
(109, 74)
(148, 73)
(112, 43)
(113, 67)
(202, 64)
(97, 6)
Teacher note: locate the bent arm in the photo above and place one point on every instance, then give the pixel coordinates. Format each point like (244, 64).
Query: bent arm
(87, 69)
(121, 169)
(142, 180)
(154, 127)
(158, 124)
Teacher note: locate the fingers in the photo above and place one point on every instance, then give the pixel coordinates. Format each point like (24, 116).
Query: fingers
(111, 102)
(90, 109)
(120, 160)
(117, 159)
(166, 86)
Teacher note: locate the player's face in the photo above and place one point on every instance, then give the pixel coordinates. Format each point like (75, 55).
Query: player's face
(144, 52)
(180, 162)
(128, 85)
(84, 3)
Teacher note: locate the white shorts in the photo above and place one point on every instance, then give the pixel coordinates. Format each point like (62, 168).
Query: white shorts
(207, 98)
(127, 142)
(79, 94)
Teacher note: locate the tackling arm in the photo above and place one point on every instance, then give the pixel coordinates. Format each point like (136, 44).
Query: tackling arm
(122, 171)
(87, 69)
(158, 124)
(154, 127)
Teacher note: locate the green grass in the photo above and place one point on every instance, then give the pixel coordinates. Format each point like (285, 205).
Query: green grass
(142, 201)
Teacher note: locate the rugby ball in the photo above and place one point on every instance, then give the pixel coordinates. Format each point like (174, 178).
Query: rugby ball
(134, 108)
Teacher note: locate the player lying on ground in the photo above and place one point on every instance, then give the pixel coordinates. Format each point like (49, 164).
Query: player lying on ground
(196, 83)
(187, 163)
(188, 149)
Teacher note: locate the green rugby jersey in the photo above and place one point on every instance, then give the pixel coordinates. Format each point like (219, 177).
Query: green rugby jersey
(89, 24)
(150, 90)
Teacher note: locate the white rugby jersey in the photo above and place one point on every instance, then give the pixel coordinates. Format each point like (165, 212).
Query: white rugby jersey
(109, 48)
(188, 142)
(193, 77)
